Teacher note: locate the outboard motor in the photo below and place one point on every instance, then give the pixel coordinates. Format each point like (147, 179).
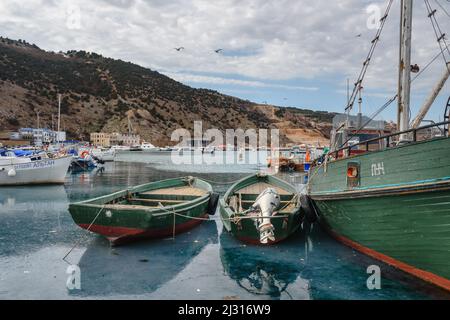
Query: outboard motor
(266, 203)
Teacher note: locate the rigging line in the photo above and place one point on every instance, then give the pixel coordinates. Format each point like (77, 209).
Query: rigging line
(427, 66)
(436, 28)
(383, 107)
(439, 35)
(442, 7)
(366, 63)
(376, 113)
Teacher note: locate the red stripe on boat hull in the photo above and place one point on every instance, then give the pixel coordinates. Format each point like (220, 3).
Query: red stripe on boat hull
(120, 235)
(419, 273)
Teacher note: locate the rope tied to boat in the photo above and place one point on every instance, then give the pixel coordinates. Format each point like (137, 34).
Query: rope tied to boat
(174, 213)
(79, 241)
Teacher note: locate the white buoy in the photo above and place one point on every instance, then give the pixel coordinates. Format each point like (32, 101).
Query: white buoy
(12, 172)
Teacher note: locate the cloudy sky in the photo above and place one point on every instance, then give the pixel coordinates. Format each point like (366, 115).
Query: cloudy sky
(284, 52)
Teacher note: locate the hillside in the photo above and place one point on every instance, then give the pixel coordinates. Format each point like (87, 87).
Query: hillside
(101, 93)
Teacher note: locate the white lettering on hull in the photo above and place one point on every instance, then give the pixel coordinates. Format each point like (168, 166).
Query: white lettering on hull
(378, 169)
(35, 165)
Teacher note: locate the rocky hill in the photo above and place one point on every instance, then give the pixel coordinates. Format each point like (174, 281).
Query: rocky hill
(100, 94)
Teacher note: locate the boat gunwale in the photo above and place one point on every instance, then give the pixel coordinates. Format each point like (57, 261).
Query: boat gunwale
(352, 157)
(383, 191)
(184, 206)
(230, 213)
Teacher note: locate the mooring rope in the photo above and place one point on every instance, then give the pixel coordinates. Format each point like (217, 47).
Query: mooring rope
(230, 219)
(79, 241)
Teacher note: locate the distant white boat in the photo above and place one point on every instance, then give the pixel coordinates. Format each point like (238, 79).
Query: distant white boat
(120, 148)
(146, 146)
(210, 150)
(38, 169)
(105, 155)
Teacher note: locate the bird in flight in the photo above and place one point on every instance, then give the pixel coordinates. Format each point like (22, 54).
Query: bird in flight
(179, 49)
(358, 36)
(218, 50)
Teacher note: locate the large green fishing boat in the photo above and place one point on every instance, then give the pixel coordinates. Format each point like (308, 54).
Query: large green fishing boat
(153, 210)
(389, 196)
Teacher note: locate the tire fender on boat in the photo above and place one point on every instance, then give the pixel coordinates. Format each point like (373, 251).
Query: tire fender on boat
(308, 207)
(212, 204)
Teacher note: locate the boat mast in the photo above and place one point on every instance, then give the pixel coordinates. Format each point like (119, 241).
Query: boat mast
(404, 89)
(130, 128)
(59, 117)
(359, 120)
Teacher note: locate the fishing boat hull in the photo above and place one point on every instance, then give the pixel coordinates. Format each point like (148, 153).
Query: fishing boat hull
(82, 165)
(398, 212)
(121, 220)
(46, 171)
(245, 229)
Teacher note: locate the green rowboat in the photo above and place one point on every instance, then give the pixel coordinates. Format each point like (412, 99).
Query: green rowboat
(154, 210)
(234, 207)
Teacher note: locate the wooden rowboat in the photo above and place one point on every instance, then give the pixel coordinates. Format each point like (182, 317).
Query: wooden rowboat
(240, 197)
(154, 210)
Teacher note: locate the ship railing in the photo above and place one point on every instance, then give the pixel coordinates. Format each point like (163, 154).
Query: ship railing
(392, 140)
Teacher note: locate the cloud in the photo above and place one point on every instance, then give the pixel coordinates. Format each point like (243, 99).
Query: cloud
(193, 78)
(263, 40)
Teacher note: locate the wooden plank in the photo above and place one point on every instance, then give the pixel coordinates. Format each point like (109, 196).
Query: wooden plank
(157, 200)
(259, 187)
(185, 190)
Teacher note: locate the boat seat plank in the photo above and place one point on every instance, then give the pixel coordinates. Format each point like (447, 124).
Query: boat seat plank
(259, 187)
(165, 197)
(184, 190)
(157, 200)
(252, 201)
(127, 207)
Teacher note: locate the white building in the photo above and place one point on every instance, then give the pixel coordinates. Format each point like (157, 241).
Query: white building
(40, 136)
(14, 136)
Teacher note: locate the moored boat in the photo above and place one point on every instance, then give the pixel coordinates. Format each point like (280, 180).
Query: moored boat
(387, 196)
(243, 214)
(147, 146)
(104, 155)
(82, 164)
(32, 168)
(154, 210)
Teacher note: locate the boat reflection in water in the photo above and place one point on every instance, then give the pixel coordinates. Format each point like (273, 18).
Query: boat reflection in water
(30, 218)
(27, 198)
(142, 267)
(266, 271)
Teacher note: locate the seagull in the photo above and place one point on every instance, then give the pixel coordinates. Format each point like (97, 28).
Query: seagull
(179, 49)
(218, 50)
(358, 36)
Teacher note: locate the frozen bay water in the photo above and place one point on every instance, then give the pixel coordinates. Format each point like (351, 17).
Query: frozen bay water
(36, 231)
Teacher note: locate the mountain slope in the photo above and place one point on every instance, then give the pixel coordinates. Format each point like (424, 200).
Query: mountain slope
(101, 93)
